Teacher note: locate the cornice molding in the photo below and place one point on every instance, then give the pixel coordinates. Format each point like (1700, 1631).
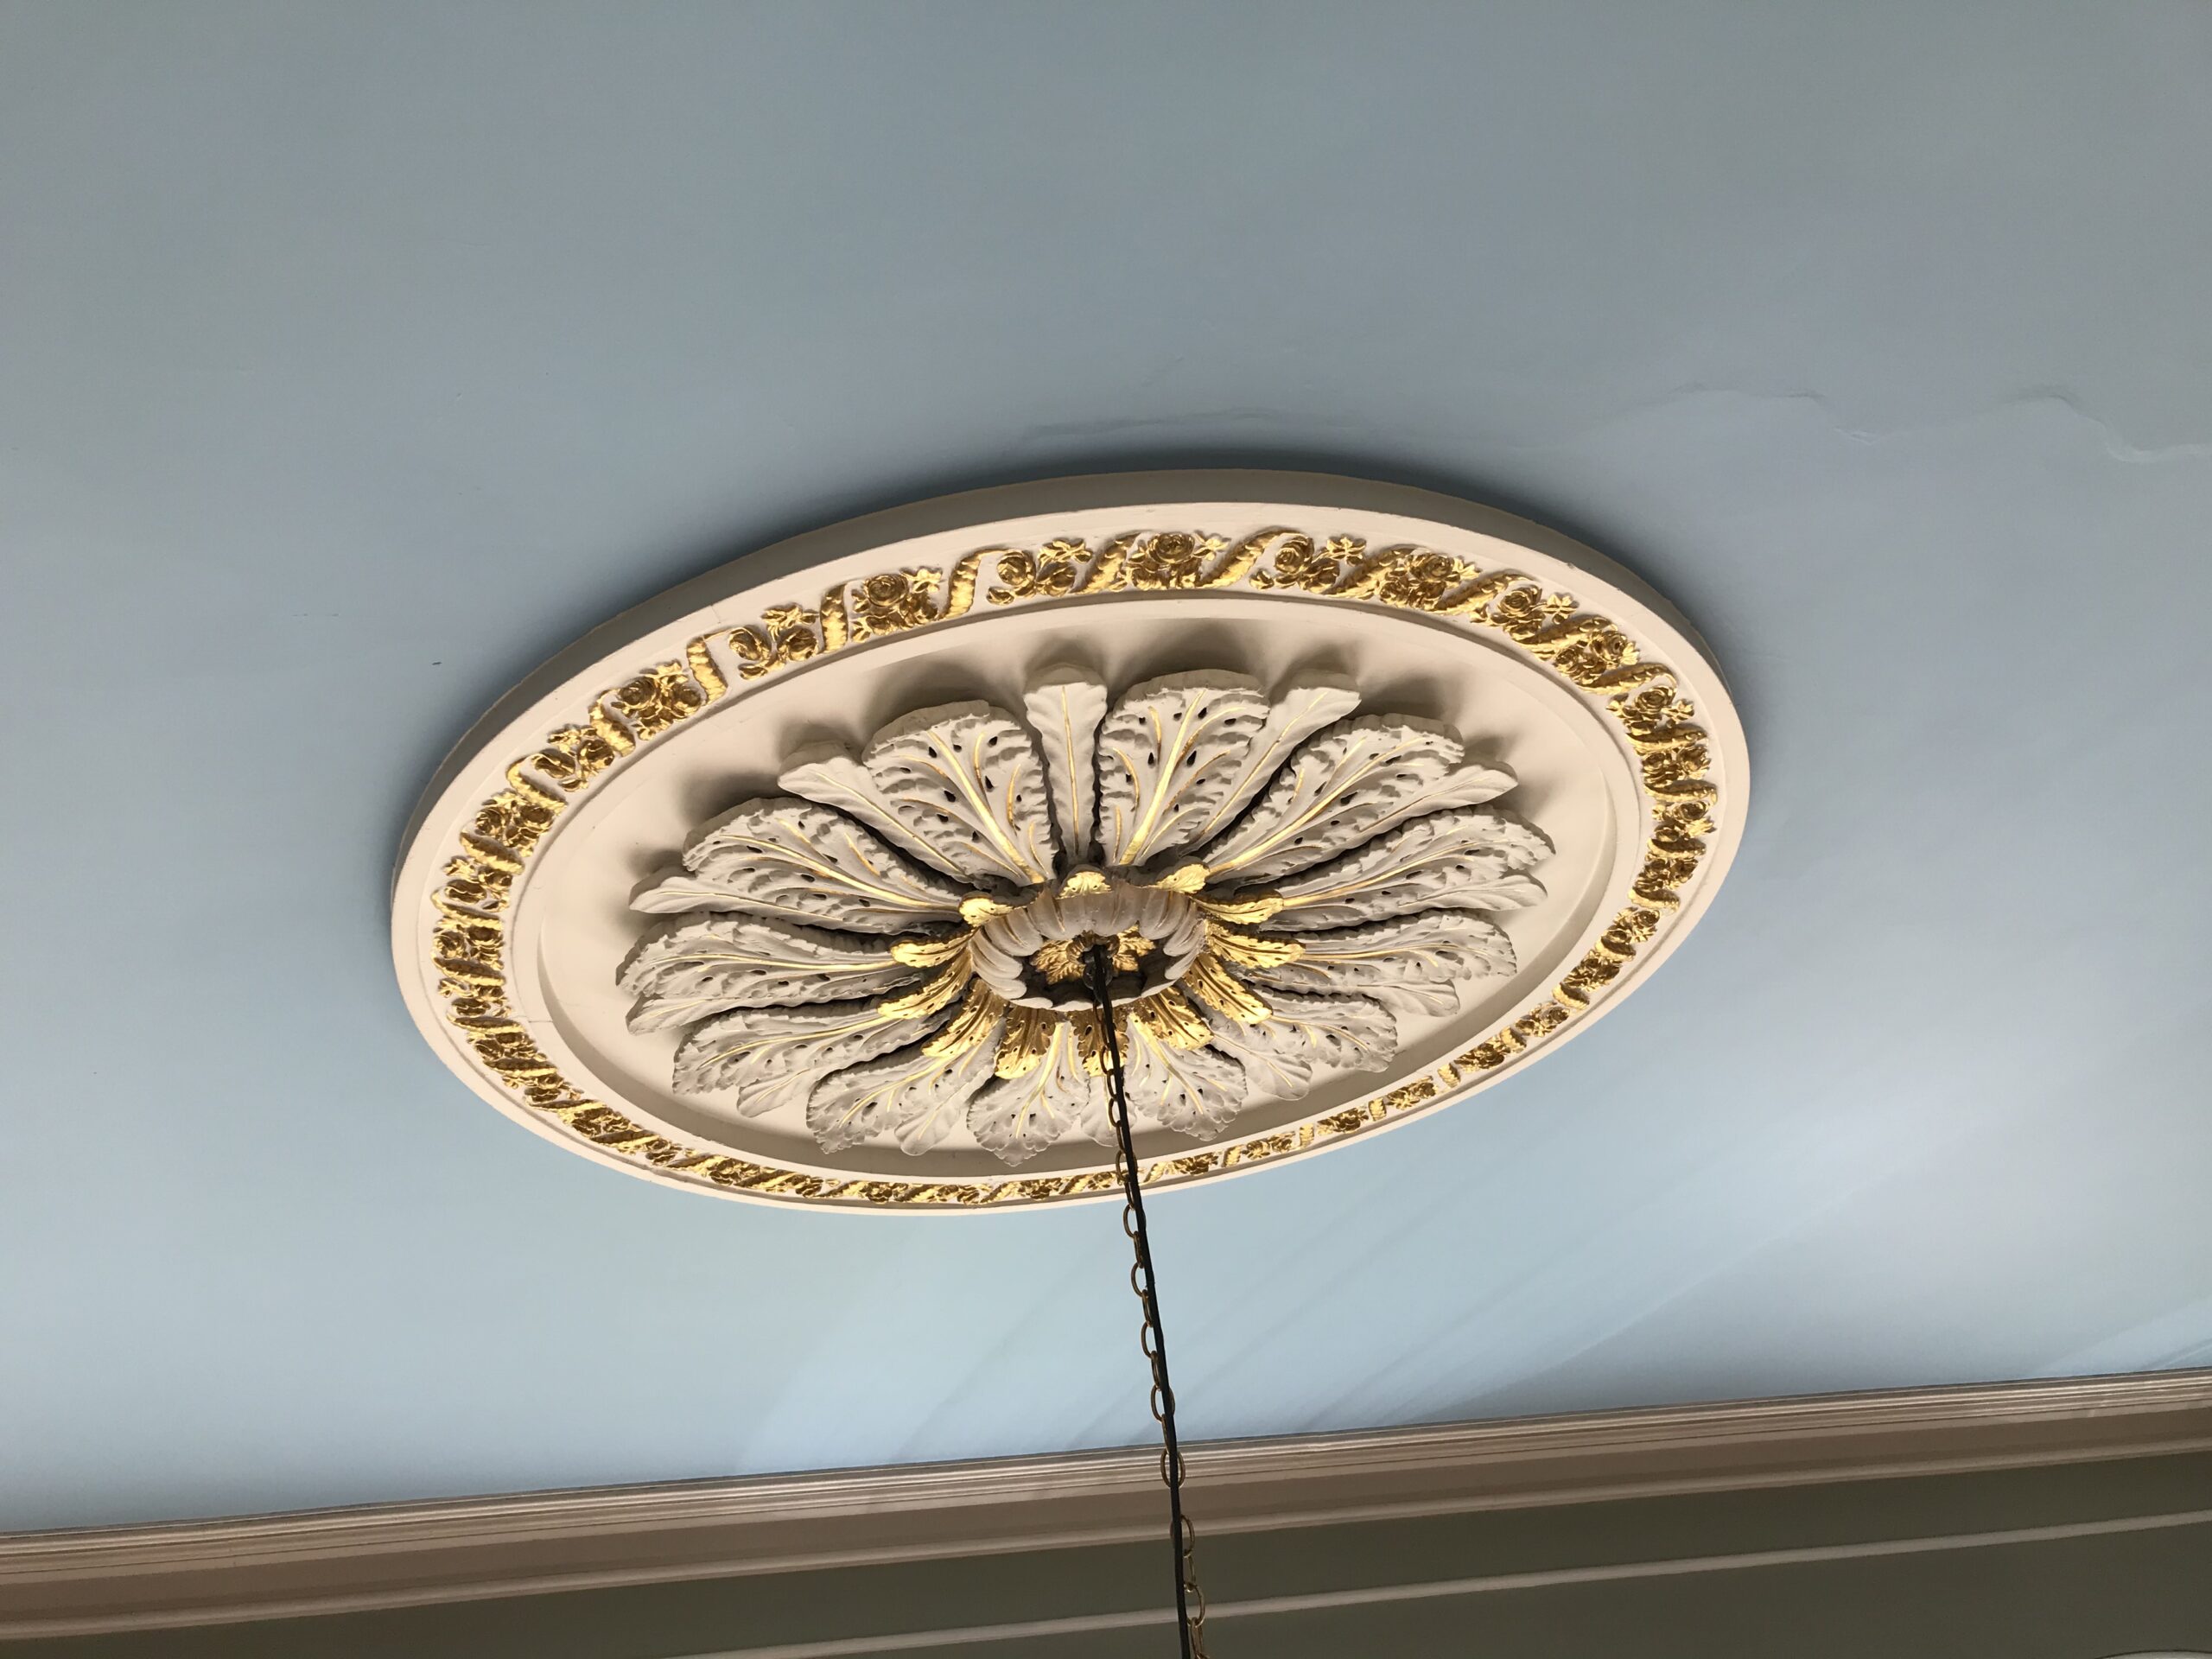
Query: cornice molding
(413, 1553)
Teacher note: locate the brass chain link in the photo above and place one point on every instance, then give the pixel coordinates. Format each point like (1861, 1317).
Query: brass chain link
(1190, 1600)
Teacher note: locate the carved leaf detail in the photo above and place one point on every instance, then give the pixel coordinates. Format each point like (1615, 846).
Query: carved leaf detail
(1466, 784)
(1065, 708)
(1194, 1091)
(1474, 858)
(835, 778)
(799, 861)
(1169, 754)
(1296, 715)
(1420, 961)
(1019, 1117)
(919, 1096)
(900, 948)
(771, 1056)
(1349, 783)
(684, 973)
(1305, 1037)
(962, 784)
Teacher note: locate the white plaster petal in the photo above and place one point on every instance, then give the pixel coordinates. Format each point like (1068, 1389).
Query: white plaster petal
(1170, 753)
(1353, 781)
(800, 861)
(1016, 1118)
(916, 1096)
(966, 781)
(1474, 858)
(1194, 1091)
(683, 973)
(1306, 1040)
(1299, 712)
(1424, 961)
(770, 1056)
(1065, 707)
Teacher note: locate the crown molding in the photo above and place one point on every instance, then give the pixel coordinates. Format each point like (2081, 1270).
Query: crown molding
(414, 1553)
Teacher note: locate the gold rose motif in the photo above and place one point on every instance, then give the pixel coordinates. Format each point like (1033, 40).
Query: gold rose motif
(657, 699)
(1298, 564)
(1174, 558)
(574, 755)
(786, 635)
(892, 602)
(1418, 580)
(1049, 573)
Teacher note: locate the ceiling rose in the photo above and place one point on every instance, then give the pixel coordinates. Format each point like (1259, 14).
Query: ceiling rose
(783, 885)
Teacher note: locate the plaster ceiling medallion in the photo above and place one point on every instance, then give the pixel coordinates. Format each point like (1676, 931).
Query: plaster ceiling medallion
(784, 886)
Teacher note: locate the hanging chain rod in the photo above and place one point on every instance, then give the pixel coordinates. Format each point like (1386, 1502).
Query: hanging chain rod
(1190, 1600)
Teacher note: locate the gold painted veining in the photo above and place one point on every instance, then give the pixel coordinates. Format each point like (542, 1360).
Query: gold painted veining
(1168, 1015)
(1250, 909)
(1090, 1048)
(978, 1015)
(1221, 990)
(929, 953)
(1249, 950)
(1183, 878)
(1029, 1038)
(467, 931)
(934, 995)
(978, 908)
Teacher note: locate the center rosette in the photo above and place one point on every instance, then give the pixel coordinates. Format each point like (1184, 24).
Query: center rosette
(898, 946)
(1037, 956)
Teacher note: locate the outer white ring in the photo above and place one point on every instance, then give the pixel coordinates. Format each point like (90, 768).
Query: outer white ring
(938, 533)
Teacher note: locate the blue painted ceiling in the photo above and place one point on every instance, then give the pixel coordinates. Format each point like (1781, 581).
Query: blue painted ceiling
(353, 358)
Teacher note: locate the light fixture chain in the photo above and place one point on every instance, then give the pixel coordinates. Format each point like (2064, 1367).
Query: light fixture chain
(1190, 1600)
